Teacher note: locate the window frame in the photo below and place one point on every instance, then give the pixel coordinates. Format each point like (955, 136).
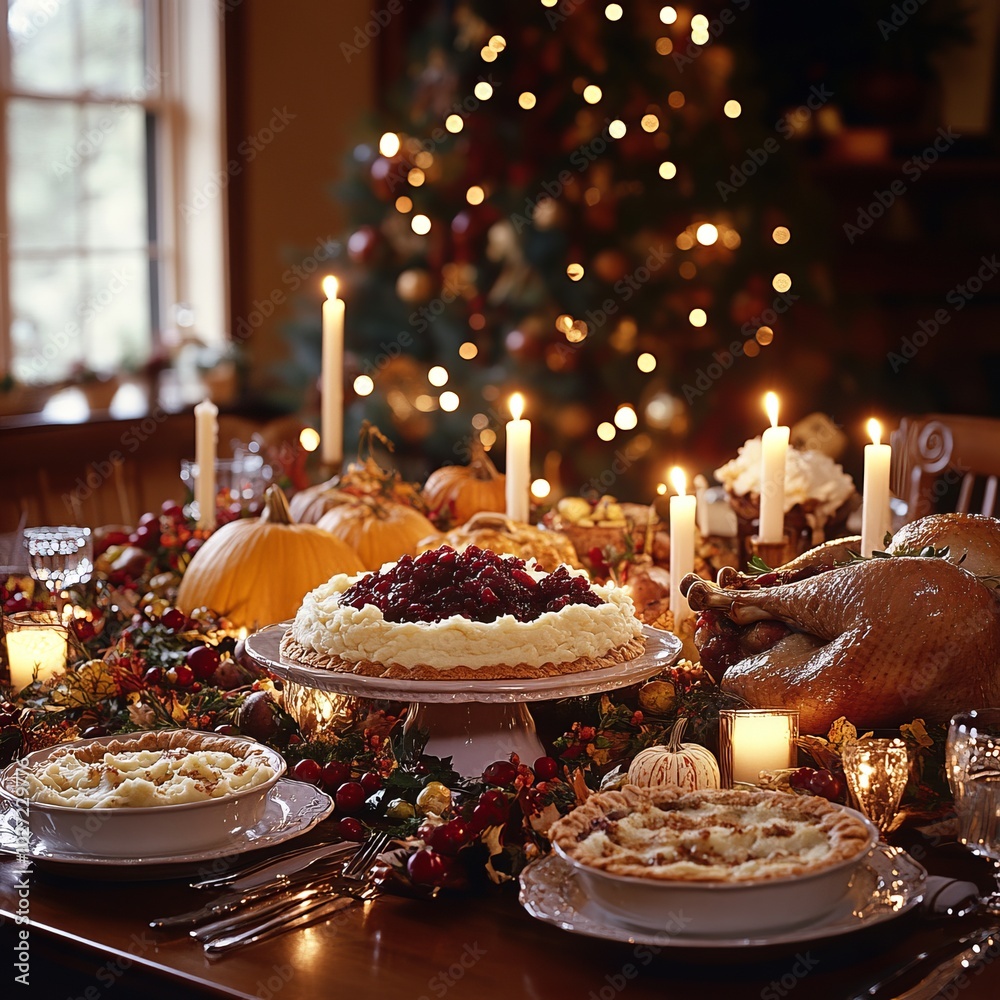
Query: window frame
(190, 253)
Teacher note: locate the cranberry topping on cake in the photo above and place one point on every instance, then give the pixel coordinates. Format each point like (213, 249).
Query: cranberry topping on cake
(476, 584)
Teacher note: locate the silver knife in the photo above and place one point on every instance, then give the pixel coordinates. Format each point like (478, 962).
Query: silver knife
(983, 948)
(249, 878)
(306, 912)
(234, 901)
(967, 943)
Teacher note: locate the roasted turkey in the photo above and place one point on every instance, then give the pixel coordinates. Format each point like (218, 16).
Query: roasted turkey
(881, 641)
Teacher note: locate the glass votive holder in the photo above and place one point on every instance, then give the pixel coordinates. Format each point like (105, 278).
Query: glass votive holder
(37, 643)
(877, 771)
(239, 482)
(752, 740)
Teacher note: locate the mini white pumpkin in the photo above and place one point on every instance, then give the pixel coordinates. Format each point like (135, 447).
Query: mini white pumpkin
(688, 766)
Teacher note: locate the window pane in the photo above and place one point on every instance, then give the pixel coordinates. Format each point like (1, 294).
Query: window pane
(115, 311)
(113, 37)
(46, 299)
(113, 177)
(43, 47)
(44, 143)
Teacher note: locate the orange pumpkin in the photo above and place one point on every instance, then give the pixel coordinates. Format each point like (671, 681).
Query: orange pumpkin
(378, 531)
(495, 532)
(456, 492)
(256, 571)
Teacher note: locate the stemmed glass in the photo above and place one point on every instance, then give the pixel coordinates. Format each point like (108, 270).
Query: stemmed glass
(972, 762)
(59, 557)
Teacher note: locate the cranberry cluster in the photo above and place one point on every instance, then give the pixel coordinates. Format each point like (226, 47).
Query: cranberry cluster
(475, 583)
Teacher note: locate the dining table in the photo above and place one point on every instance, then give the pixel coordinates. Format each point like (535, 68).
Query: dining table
(82, 932)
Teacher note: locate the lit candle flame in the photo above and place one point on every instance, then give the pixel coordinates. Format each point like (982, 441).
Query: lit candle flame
(678, 480)
(875, 430)
(771, 407)
(330, 286)
(516, 405)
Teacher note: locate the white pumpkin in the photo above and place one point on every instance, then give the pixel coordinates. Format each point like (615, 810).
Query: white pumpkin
(688, 766)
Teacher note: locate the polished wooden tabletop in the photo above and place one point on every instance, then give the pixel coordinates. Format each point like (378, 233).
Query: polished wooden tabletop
(88, 938)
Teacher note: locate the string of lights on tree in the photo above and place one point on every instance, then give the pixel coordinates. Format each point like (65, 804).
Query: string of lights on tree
(553, 205)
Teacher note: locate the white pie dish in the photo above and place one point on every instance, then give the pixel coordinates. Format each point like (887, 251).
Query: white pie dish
(166, 829)
(680, 907)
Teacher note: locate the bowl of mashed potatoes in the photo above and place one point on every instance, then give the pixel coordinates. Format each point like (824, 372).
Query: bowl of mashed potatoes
(151, 794)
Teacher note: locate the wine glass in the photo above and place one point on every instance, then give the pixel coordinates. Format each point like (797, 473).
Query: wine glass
(972, 763)
(59, 556)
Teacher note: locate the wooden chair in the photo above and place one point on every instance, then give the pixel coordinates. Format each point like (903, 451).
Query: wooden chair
(946, 462)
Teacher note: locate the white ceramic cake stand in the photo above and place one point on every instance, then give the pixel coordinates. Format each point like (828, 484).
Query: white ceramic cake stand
(472, 721)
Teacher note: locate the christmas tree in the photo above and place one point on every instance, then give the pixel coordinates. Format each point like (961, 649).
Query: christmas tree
(576, 201)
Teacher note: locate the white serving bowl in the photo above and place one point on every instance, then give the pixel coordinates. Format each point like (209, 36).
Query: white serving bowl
(144, 831)
(727, 909)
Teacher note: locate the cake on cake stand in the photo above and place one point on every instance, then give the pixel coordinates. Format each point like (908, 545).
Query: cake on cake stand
(472, 721)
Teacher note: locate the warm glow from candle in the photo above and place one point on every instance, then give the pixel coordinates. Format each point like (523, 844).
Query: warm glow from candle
(330, 286)
(771, 407)
(875, 430)
(516, 405)
(309, 439)
(678, 480)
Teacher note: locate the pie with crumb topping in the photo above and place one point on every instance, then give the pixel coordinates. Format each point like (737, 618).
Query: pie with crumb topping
(713, 835)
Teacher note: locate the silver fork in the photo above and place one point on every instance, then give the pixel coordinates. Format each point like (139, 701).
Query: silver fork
(305, 906)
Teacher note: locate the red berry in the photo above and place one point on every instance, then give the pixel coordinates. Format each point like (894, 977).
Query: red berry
(172, 510)
(192, 545)
(350, 797)
(801, 777)
(351, 829)
(449, 838)
(546, 768)
(149, 519)
(152, 676)
(826, 784)
(185, 675)
(91, 731)
(227, 730)
(146, 536)
(334, 774)
(371, 782)
(174, 619)
(202, 660)
(427, 867)
(307, 770)
(500, 772)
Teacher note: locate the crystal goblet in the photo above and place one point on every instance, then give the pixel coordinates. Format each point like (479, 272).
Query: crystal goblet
(972, 763)
(59, 556)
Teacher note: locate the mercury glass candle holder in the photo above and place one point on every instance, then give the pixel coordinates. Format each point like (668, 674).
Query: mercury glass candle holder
(877, 771)
(36, 646)
(319, 713)
(752, 740)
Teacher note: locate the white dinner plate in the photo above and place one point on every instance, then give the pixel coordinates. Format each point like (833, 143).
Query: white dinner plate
(293, 807)
(886, 885)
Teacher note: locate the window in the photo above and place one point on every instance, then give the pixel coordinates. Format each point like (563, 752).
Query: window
(100, 152)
